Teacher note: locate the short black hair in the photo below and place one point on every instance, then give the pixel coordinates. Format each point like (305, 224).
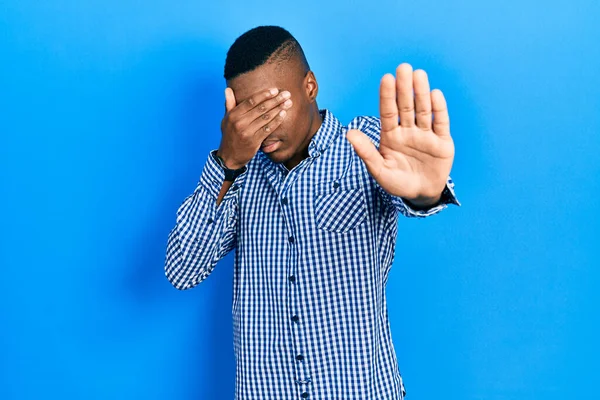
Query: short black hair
(259, 45)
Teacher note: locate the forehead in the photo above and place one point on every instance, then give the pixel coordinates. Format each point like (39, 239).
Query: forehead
(283, 76)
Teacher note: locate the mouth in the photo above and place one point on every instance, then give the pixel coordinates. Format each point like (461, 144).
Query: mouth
(270, 145)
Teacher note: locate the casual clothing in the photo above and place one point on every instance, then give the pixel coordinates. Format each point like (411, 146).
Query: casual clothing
(314, 246)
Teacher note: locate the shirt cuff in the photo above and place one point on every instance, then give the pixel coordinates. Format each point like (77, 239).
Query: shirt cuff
(213, 176)
(448, 197)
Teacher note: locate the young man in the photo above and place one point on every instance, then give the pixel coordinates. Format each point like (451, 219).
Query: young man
(311, 208)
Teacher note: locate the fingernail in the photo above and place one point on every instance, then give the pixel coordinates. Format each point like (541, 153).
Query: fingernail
(274, 91)
(285, 94)
(287, 103)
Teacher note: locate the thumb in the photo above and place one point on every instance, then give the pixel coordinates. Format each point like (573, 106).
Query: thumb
(366, 150)
(229, 99)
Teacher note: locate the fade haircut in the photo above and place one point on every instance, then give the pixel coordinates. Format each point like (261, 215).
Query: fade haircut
(260, 45)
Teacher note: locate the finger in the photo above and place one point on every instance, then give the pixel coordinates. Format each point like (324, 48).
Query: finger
(269, 125)
(366, 150)
(229, 99)
(388, 109)
(254, 100)
(441, 119)
(404, 95)
(281, 101)
(422, 99)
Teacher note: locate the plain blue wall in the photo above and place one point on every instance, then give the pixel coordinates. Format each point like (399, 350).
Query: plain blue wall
(108, 110)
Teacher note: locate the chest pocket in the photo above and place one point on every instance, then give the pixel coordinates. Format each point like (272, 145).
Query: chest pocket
(340, 204)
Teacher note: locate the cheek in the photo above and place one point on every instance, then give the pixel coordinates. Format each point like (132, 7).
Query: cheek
(292, 123)
(286, 126)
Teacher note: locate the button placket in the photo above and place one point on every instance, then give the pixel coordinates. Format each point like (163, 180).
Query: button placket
(302, 370)
(302, 377)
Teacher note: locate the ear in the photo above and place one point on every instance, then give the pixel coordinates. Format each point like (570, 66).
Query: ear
(311, 86)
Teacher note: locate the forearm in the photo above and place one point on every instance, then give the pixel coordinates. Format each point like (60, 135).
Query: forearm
(205, 228)
(202, 235)
(223, 192)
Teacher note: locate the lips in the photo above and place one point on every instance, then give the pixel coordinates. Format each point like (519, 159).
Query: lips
(270, 146)
(268, 143)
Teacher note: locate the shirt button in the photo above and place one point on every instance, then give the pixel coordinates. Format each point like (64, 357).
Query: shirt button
(284, 201)
(336, 184)
(304, 395)
(292, 278)
(295, 318)
(299, 357)
(209, 221)
(291, 239)
(234, 187)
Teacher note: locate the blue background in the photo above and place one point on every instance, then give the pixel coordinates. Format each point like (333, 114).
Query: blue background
(108, 110)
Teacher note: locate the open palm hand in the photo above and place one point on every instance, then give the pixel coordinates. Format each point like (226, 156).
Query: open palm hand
(416, 153)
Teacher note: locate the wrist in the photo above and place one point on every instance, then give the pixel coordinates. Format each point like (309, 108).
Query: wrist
(230, 173)
(229, 163)
(422, 202)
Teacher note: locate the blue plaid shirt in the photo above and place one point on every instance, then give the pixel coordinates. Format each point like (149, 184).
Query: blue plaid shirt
(314, 246)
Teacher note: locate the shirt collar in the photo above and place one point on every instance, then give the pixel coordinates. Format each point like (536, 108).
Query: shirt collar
(325, 134)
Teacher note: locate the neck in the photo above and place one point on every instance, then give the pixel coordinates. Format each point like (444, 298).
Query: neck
(316, 122)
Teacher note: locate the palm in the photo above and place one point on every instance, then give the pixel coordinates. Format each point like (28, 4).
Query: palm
(415, 155)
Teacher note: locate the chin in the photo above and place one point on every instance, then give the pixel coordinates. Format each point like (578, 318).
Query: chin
(276, 158)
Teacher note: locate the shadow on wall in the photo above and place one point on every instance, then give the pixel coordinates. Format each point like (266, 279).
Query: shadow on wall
(206, 366)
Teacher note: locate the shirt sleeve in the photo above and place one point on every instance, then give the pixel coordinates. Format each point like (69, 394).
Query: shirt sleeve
(371, 126)
(448, 197)
(204, 232)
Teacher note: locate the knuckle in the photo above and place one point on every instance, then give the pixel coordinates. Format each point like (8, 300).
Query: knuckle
(237, 125)
(265, 116)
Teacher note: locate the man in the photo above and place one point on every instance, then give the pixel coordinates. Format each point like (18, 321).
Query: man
(311, 208)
